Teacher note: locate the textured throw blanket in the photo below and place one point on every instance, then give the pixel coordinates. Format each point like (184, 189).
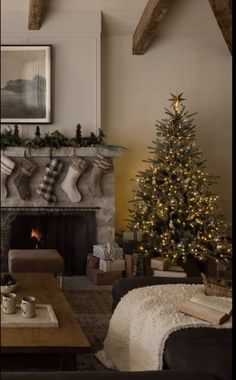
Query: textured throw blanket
(141, 323)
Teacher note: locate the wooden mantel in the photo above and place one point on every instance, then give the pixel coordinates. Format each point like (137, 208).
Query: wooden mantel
(223, 13)
(146, 29)
(35, 14)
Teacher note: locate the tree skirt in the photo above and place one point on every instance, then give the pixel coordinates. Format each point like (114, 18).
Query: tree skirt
(93, 311)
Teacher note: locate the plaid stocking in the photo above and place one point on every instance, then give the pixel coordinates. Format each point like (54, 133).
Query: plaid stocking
(6, 169)
(23, 178)
(101, 165)
(68, 185)
(46, 188)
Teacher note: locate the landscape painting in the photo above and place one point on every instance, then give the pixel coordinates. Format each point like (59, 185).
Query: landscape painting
(25, 84)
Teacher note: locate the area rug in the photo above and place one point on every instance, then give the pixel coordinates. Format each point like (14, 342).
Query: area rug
(93, 310)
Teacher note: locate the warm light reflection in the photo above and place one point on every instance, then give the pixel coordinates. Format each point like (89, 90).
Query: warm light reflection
(36, 234)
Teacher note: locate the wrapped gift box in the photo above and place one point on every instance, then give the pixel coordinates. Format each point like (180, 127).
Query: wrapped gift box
(114, 251)
(98, 277)
(160, 263)
(108, 251)
(133, 235)
(100, 251)
(130, 246)
(129, 263)
(92, 261)
(112, 266)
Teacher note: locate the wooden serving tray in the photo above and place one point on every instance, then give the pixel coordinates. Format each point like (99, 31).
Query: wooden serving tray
(45, 317)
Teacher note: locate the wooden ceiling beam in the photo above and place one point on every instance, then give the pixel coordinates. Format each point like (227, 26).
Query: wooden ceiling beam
(146, 29)
(35, 14)
(223, 13)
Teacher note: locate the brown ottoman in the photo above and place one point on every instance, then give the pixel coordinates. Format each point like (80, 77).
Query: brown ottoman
(36, 260)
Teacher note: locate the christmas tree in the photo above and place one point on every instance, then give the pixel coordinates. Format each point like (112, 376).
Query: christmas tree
(173, 205)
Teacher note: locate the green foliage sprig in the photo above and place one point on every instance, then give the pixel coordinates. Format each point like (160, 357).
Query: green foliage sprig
(9, 138)
(55, 139)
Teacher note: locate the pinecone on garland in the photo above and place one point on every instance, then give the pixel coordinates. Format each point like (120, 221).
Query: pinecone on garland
(78, 134)
(37, 132)
(16, 133)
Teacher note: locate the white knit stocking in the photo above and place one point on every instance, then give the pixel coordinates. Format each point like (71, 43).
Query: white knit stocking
(6, 169)
(68, 185)
(4, 191)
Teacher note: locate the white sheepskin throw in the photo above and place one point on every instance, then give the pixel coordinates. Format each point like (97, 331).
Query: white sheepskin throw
(141, 323)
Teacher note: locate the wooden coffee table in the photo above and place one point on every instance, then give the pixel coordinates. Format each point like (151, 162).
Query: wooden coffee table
(43, 347)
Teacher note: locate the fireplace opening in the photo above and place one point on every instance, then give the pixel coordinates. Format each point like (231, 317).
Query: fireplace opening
(72, 235)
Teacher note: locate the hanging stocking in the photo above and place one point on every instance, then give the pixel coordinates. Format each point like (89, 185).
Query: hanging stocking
(6, 169)
(46, 188)
(23, 178)
(68, 185)
(101, 165)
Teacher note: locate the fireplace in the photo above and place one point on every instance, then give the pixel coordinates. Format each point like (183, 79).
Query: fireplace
(87, 222)
(71, 232)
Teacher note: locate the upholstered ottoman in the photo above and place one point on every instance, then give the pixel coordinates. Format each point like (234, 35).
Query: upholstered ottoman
(36, 260)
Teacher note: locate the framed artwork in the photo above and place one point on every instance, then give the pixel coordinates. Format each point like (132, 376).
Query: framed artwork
(26, 84)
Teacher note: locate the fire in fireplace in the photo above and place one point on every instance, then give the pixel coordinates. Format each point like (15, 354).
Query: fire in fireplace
(72, 235)
(37, 237)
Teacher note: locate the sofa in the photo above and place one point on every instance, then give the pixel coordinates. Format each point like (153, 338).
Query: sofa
(190, 354)
(205, 349)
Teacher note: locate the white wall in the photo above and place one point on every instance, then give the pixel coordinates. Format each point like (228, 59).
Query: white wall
(189, 55)
(76, 70)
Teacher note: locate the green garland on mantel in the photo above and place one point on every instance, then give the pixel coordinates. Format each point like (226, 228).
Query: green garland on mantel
(11, 138)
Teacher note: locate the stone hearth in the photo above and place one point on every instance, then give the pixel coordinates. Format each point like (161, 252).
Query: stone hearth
(103, 207)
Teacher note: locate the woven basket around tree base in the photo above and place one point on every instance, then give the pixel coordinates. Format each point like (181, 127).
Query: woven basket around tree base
(214, 288)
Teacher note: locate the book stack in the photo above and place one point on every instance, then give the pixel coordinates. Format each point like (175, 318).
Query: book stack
(163, 268)
(133, 236)
(215, 310)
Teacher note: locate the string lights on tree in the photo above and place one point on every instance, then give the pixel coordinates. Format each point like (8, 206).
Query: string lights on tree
(173, 205)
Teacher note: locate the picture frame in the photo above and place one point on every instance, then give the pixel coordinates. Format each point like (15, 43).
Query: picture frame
(26, 84)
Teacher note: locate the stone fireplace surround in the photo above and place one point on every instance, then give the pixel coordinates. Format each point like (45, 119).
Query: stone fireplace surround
(103, 207)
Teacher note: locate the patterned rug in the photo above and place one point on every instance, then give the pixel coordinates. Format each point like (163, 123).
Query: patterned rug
(93, 310)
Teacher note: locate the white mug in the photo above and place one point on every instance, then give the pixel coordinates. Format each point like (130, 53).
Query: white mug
(9, 303)
(28, 307)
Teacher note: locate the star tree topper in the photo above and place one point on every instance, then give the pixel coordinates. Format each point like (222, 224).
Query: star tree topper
(176, 100)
